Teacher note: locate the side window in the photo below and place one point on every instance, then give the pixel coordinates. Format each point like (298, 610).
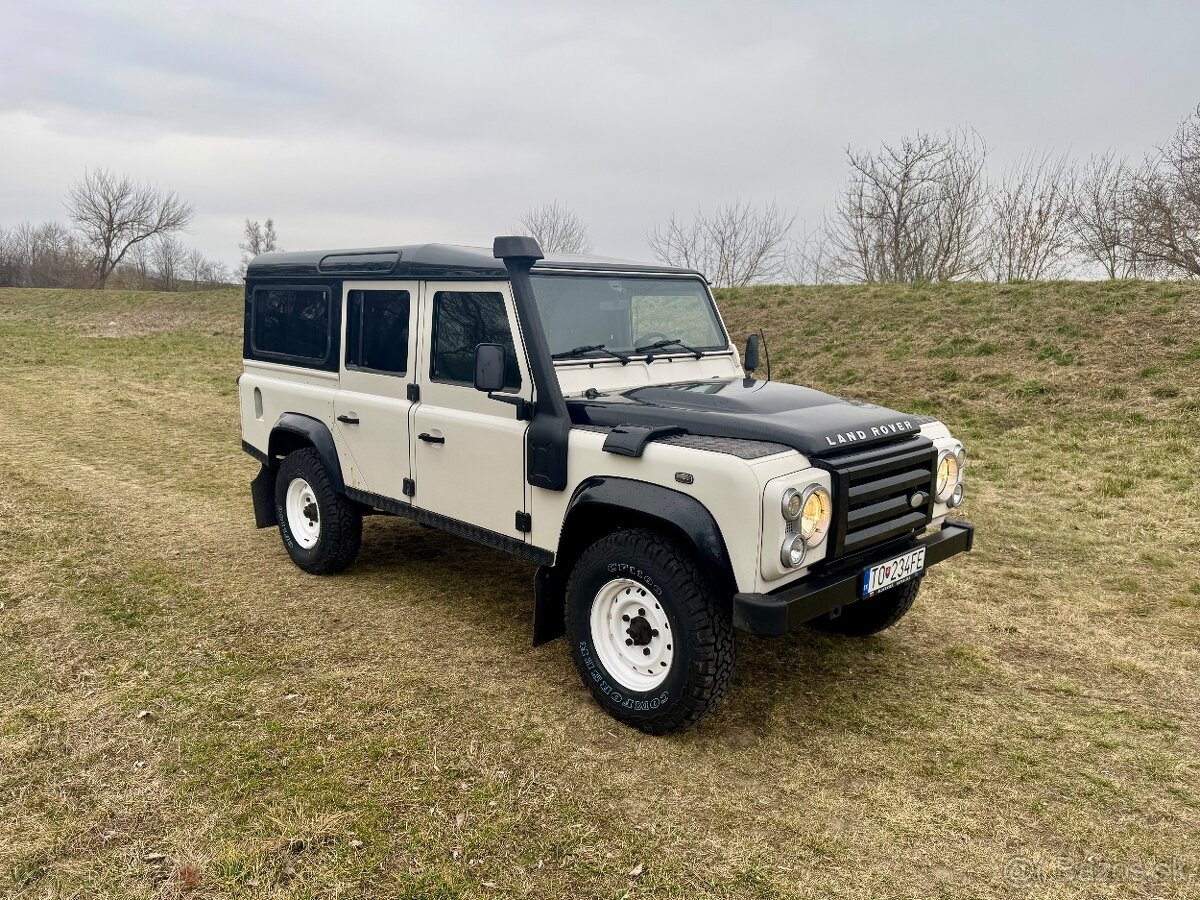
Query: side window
(462, 320)
(377, 331)
(292, 322)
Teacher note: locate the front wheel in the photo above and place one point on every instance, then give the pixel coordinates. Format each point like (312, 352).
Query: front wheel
(649, 635)
(321, 529)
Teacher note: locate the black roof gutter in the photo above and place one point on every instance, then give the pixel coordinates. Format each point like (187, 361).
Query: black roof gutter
(546, 439)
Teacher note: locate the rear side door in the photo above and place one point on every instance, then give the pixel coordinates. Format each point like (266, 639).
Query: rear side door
(372, 406)
(468, 450)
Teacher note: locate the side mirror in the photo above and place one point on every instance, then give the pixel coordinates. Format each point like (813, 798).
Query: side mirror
(750, 362)
(489, 367)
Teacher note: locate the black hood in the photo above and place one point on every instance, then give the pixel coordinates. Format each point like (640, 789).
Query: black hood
(814, 423)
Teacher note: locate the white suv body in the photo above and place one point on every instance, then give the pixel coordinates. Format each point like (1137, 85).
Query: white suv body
(540, 406)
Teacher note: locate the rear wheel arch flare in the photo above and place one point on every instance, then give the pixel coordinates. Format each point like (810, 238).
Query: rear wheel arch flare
(293, 431)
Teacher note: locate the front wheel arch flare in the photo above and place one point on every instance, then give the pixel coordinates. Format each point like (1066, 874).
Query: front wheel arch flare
(604, 504)
(611, 498)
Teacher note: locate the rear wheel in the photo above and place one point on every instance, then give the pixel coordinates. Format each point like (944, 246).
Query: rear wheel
(649, 635)
(321, 529)
(871, 614)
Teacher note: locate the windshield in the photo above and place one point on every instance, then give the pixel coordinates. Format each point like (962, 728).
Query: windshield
(590, 314)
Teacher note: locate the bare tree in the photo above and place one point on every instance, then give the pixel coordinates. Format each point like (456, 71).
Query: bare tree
(139, 263)
(217, 273)
(809, 259)
(169, 260)
(195, 267)
(1166, 202)
(115, 214)
(257, 239)
(913, 211)
(735, 245)
(1106, 230)
(1032, 229)
(556, 227)
(8, 261)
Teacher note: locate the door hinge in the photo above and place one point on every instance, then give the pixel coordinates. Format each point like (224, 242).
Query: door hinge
(524, 522)
(414, 393)
(410, 487)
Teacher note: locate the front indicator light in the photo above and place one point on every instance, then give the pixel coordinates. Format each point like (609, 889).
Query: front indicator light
(791, 554)
(815, 515)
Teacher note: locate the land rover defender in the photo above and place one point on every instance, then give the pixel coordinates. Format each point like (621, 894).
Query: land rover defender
(592, 416)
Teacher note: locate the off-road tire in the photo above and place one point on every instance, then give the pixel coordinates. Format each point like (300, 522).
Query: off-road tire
(341, 522)
(872, 614)
(700, 625)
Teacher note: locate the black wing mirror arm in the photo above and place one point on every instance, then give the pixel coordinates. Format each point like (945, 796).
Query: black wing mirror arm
(524, 407)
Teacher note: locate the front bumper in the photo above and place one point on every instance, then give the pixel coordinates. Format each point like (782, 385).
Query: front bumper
(773, 614)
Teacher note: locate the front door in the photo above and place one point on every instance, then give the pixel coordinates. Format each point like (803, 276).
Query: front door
(372, 405)
(468, 450)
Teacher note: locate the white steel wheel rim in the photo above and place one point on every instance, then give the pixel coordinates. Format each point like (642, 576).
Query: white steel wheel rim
(632, 635)
(303, 513)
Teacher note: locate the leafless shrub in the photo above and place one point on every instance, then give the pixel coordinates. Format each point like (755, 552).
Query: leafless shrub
(1166, 202)
(556, 227)
(1032, 227)
(45, 255)
(735, 245)
(913, 211)
(257, 238)
(115, 214)
(1106, 232)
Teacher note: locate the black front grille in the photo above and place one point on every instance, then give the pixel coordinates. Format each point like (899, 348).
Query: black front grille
(872, 494)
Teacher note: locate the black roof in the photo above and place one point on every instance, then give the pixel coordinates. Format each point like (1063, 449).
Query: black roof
(427, 261)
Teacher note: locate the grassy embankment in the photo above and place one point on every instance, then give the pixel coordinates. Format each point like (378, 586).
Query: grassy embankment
(183, 711)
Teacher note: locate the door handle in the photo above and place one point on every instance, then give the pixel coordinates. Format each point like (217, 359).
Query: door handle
(431, 439)
(348, 420)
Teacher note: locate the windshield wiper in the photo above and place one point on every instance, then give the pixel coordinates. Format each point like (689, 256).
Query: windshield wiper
(668, 342)
(575, 352)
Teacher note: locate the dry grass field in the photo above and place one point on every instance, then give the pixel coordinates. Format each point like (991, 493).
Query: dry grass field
(185, 713)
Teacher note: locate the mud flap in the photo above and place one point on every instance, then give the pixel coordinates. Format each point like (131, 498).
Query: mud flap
(262, 491)
(549, 606)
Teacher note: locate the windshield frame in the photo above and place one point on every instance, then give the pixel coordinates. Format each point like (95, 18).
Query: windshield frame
(599, 356)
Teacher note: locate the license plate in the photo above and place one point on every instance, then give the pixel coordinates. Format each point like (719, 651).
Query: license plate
(888, 574)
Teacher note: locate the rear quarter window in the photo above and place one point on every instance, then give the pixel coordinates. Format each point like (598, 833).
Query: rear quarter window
(292, 324)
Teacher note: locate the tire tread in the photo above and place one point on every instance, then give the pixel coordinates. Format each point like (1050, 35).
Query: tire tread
(341, 521)
(706, 618)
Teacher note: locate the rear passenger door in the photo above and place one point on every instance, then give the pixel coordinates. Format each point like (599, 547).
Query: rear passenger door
(372, 406)
(469, 451)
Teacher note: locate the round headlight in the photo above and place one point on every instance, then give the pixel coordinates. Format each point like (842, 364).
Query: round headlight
(947, 475)
(791, 554)
(815, 515)
(956, 498)
(791, 504)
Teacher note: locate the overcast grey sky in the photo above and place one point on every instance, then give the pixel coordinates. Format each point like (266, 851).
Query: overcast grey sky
(361, 123)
